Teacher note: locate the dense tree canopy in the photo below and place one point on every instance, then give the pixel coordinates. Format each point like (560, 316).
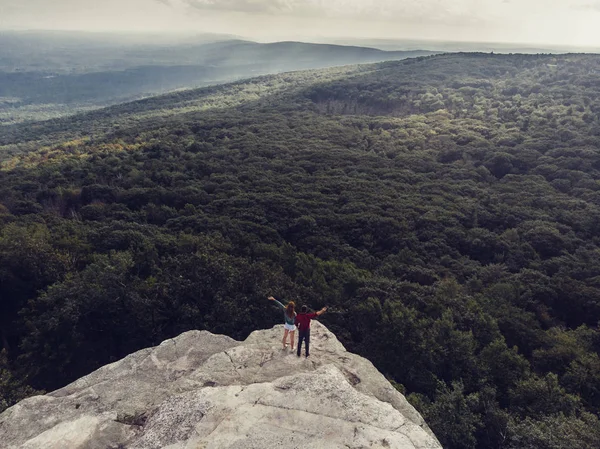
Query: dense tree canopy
(446, 208)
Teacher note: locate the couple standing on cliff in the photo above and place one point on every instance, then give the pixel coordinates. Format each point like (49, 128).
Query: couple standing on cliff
(302, 320)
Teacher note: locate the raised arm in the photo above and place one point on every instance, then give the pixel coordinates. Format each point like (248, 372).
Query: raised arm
(271, 298)
(322, 311)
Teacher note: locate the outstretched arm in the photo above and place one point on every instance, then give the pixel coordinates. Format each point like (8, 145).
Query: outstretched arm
(271, 298)
(322, 311)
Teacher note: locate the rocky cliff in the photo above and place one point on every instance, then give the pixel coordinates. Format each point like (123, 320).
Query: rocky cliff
(206, 391)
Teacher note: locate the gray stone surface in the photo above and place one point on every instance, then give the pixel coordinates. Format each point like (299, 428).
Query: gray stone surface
(206, 391)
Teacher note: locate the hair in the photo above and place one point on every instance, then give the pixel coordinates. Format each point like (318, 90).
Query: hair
(304, 309)
(289, 310)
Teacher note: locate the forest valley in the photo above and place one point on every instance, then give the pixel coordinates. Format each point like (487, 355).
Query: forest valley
(445, 208)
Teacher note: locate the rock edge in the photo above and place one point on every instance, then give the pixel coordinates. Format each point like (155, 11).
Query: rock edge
(206, 391)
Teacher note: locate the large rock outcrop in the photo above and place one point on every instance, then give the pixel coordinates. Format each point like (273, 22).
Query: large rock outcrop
(206, 391)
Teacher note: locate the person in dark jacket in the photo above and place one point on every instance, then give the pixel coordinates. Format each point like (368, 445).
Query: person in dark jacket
(303, 322)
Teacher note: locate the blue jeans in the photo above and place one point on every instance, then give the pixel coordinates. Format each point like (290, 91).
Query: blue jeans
(304, 335)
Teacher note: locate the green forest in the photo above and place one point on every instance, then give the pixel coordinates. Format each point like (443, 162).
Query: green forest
(445, 208)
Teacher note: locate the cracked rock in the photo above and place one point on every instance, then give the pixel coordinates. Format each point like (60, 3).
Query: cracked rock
(206, 391)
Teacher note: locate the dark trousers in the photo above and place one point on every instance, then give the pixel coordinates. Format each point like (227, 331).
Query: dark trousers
(304, 335)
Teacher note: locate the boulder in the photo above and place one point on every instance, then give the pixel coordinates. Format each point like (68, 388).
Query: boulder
(206, 391)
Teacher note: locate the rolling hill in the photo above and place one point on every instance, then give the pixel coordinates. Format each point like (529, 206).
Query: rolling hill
(48, 76)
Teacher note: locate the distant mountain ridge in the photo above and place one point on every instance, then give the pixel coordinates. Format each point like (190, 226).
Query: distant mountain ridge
(46, 78)
(55, 54)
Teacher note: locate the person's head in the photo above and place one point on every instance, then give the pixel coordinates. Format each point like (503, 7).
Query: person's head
(304, 309)
(290, 309)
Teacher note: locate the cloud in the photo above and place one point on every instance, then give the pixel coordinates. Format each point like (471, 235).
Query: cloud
(441, 11)
(287, 7)
(251, 6)
(246, 6)
(594, 6)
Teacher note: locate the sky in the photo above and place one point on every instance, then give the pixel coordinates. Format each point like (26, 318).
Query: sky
(558, 22)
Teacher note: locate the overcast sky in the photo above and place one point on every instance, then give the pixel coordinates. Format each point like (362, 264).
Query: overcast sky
(566, 22)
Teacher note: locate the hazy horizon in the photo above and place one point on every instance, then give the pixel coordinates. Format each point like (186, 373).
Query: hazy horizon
(570, 23)
(386, 44)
